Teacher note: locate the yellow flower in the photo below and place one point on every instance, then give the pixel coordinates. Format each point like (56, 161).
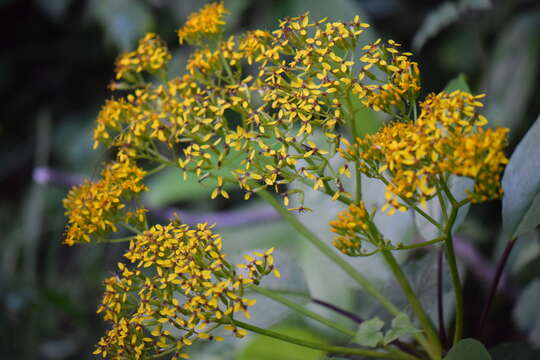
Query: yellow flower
(352, 227)
(151, 55)
(111, 117)
(208, 21)
(253, 44)
(95, 208)
(447, 138)
(403, 78)
(181, 280)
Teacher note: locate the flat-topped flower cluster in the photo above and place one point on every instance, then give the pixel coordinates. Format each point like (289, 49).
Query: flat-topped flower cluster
(179, 288)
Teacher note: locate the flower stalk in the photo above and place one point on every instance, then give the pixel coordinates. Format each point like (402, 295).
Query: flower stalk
(392, 354)
(329, 253)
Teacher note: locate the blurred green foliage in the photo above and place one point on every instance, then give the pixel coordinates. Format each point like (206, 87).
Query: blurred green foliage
(57, 59)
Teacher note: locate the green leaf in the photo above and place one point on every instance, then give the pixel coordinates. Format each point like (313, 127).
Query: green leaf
(526, 314)
(369, 333)
(266, 348)
(468, 349)
(367, 121)
(525, 251)
(444, 15)
(401, 326)
(512, 351)
(422, 275)
(521, 184)
(458, 83)
(169, 186)
(511, 77)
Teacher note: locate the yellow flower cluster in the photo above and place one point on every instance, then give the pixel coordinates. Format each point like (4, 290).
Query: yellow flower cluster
(179, 289)
(352, 227)
(281, 122)
(452, 123)
(111, 117)
(252, 45)
(302, 77)
(414, 159)
(403, 76)
(208, 21)
(94, 209)
(151, 55)
(277, 123)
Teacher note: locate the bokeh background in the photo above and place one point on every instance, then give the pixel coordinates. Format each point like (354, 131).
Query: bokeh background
(56, 62)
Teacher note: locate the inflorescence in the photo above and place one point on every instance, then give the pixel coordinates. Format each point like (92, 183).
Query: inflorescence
(265, 110)
(179, 288)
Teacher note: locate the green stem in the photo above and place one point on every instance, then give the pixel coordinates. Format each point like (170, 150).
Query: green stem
(162, 159)
(309, 183)
(416, 208)
(173, 348)
(326, 348)
(456, 282)
(156, 169)
(449, 194)
(442, 202)
(433, 347)
(119, 240)
(302, 310)
(420, 244)
(354, 132)
(328, 252)
(227, 68)
(452, 262)
(131, 228)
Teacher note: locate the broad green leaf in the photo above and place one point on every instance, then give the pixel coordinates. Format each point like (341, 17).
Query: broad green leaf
(514, 351)
(369, 333)
(169, 186)
(521, 184)
(401, 326)
(275, 233)
(321, 272)
(422, 275)
(278, 234)
(291, 284)
(444, 15)
(511, 76)
(266, 348)
(439, 18)
(525, 250)
(457, 83)
(367, 121)
(468, 349)
(526, 314)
